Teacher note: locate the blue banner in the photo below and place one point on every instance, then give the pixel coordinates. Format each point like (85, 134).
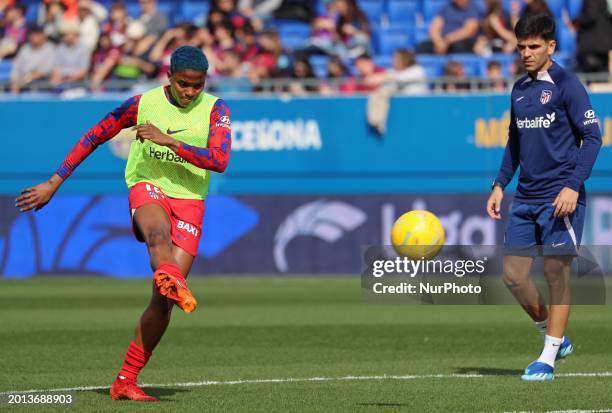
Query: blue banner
(247, 234)
(436, 144)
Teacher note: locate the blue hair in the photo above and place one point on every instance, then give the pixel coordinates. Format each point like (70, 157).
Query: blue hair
(188, 57)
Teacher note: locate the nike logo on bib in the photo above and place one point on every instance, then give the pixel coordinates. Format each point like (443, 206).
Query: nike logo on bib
(172, 132)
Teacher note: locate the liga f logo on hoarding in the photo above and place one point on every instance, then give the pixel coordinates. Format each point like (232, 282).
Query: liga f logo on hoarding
(326, 220)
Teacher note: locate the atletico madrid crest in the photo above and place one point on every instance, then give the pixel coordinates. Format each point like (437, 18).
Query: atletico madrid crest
(545, 96)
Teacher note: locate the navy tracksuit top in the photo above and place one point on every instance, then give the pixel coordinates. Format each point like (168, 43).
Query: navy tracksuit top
(554, 136)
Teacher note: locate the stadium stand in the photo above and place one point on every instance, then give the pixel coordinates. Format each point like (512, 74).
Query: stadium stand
(394, 24)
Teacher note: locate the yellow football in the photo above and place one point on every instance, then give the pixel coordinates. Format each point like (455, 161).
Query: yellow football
(417, 235)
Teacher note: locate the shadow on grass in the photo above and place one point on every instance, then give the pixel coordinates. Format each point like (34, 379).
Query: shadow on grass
(162, 393)
(488, 371)
(383, 404)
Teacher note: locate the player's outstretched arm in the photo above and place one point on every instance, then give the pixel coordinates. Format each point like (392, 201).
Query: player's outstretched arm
(122, 117)
(37, 196)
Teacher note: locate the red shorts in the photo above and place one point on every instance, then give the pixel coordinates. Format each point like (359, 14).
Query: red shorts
(185, 215)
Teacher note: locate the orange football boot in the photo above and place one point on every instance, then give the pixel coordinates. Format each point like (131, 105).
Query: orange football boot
(125, 389)
(175, 289)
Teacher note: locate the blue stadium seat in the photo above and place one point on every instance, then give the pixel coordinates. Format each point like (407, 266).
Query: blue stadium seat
(556, 6)
(193, 11)
(292, 41)
(567, 40)
(133, 9)
(5, 70)
(433, 64)
(31, 13)
(431, 8)
(292, 28)
(391, 39)
(319, 65)
(421, 33)
(321, 9)
(374, 32)
(293, 35)
(573, 8)
(402, 11)
(168, 8)
(411, 29)
(373, 9)
(471, 63)
(481, 4)
(564, 59)
(507, 5)
(505, 60)
(383, 61)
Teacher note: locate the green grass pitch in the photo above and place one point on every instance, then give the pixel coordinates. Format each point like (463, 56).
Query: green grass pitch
(72, 332)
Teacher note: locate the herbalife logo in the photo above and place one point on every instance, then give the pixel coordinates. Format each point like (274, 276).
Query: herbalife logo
(539, 122)
(167, 155)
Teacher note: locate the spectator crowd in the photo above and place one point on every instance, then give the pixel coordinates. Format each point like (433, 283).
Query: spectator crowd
(293, 46)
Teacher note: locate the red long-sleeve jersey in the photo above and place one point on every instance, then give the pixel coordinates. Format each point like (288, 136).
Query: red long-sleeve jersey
(214, 157)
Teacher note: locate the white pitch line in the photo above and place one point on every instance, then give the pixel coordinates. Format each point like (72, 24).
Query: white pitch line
(309, 379)
(599, 374)
(564, 411)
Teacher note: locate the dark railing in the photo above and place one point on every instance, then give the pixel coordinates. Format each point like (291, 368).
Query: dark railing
(291, 86)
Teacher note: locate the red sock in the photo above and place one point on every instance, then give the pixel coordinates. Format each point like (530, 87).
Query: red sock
(171, 269)
(135, 359)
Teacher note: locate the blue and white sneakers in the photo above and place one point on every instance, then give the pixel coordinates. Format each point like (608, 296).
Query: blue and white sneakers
(565, 349)
(538, 371)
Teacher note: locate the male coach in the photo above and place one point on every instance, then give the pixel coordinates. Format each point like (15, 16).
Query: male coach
(554, 137)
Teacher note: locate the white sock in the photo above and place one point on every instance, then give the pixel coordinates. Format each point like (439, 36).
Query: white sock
(542, 326)
(551, 347)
